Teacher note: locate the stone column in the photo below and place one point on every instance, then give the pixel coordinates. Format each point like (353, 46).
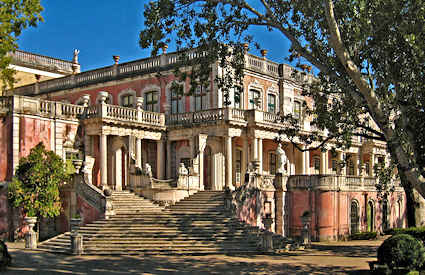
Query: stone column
(245, 155)
(168, 160)
(323, 162)
(160, 167)
(341, 159)
(229, 163)
(255, 156)
(139, 152)
(307, 162)
(103, 161)
(15, 141)
(260, 154)
(118, 169)
(202, 142)
(355, 158)
(371, 165)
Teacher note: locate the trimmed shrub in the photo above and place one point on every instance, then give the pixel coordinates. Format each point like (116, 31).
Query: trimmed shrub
(363, 236)
(416, 232)
(402, 251)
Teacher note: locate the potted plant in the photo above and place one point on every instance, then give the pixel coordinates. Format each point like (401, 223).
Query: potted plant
(35, 187)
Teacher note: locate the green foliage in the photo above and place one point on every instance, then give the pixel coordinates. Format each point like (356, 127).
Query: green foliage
(363, 236)
(15, 16)
(402, 251)
(35, 186)
(416, 232)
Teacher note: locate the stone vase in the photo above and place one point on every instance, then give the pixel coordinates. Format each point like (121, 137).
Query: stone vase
(31, 236)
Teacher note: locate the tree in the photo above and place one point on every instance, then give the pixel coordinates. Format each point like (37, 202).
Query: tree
(35, 187)
(15, 16)
(370, 55)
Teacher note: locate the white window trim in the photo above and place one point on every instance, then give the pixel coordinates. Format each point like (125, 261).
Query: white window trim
(273, 92)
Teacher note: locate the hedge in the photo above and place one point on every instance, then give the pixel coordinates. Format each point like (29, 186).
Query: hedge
(417, 232)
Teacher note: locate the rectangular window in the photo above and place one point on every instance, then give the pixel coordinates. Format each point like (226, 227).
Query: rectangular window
(272, 163)
(238, 100)
(127, 101)
(151, 101)
(254, 99)
(177, 100)
(271, 103)
(316, 162)
(201, 98)
(334, 165)
(297, 110)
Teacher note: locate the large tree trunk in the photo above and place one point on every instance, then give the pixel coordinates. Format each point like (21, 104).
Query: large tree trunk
(415, 204)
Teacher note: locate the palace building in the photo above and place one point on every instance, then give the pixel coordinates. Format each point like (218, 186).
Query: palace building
(134, 132)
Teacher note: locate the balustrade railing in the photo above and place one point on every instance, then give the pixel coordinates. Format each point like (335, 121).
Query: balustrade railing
(262, 65)
(45, 61)
(335, 182)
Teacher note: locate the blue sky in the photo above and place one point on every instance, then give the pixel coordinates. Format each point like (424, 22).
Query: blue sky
(100, 29)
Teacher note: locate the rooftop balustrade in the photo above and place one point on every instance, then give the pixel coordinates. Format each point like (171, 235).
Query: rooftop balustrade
(31, 59)
(140, 66)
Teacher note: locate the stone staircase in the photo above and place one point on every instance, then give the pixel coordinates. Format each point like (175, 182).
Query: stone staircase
(198, 224)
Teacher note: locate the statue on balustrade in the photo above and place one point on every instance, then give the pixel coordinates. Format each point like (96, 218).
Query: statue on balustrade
(182, 170)
(282, 159)
(148, 170)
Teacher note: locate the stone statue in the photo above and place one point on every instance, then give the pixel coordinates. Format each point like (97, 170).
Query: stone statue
(182, 170)
(148, 170)
(88, 169)
(75, 59)
(282, 159)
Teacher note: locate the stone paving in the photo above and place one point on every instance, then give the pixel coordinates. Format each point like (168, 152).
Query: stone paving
(324, 258)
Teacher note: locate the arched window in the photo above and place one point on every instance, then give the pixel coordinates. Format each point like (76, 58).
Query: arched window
(354, 217)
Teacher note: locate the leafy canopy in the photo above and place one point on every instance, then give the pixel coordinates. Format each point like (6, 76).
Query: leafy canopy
(370, 55)
(15, 16)
(35, 186)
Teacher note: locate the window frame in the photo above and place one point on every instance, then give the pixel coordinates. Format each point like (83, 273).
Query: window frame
(151, 105)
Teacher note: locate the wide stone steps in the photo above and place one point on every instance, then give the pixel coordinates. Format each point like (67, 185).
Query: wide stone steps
(198, 224)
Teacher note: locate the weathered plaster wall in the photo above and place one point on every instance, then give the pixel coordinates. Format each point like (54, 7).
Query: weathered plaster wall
(87, 212)
(33, 131)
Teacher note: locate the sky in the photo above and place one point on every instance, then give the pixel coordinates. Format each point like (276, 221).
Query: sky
(101, 29)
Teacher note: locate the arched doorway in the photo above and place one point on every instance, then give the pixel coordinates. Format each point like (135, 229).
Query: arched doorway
(354, 217)
(207, 168)
(370, 213)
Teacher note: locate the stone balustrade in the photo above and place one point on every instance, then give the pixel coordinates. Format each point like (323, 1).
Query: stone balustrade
(105, 74)
(25, 58)
(332, 182)
(262, 65)
(60, 110)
